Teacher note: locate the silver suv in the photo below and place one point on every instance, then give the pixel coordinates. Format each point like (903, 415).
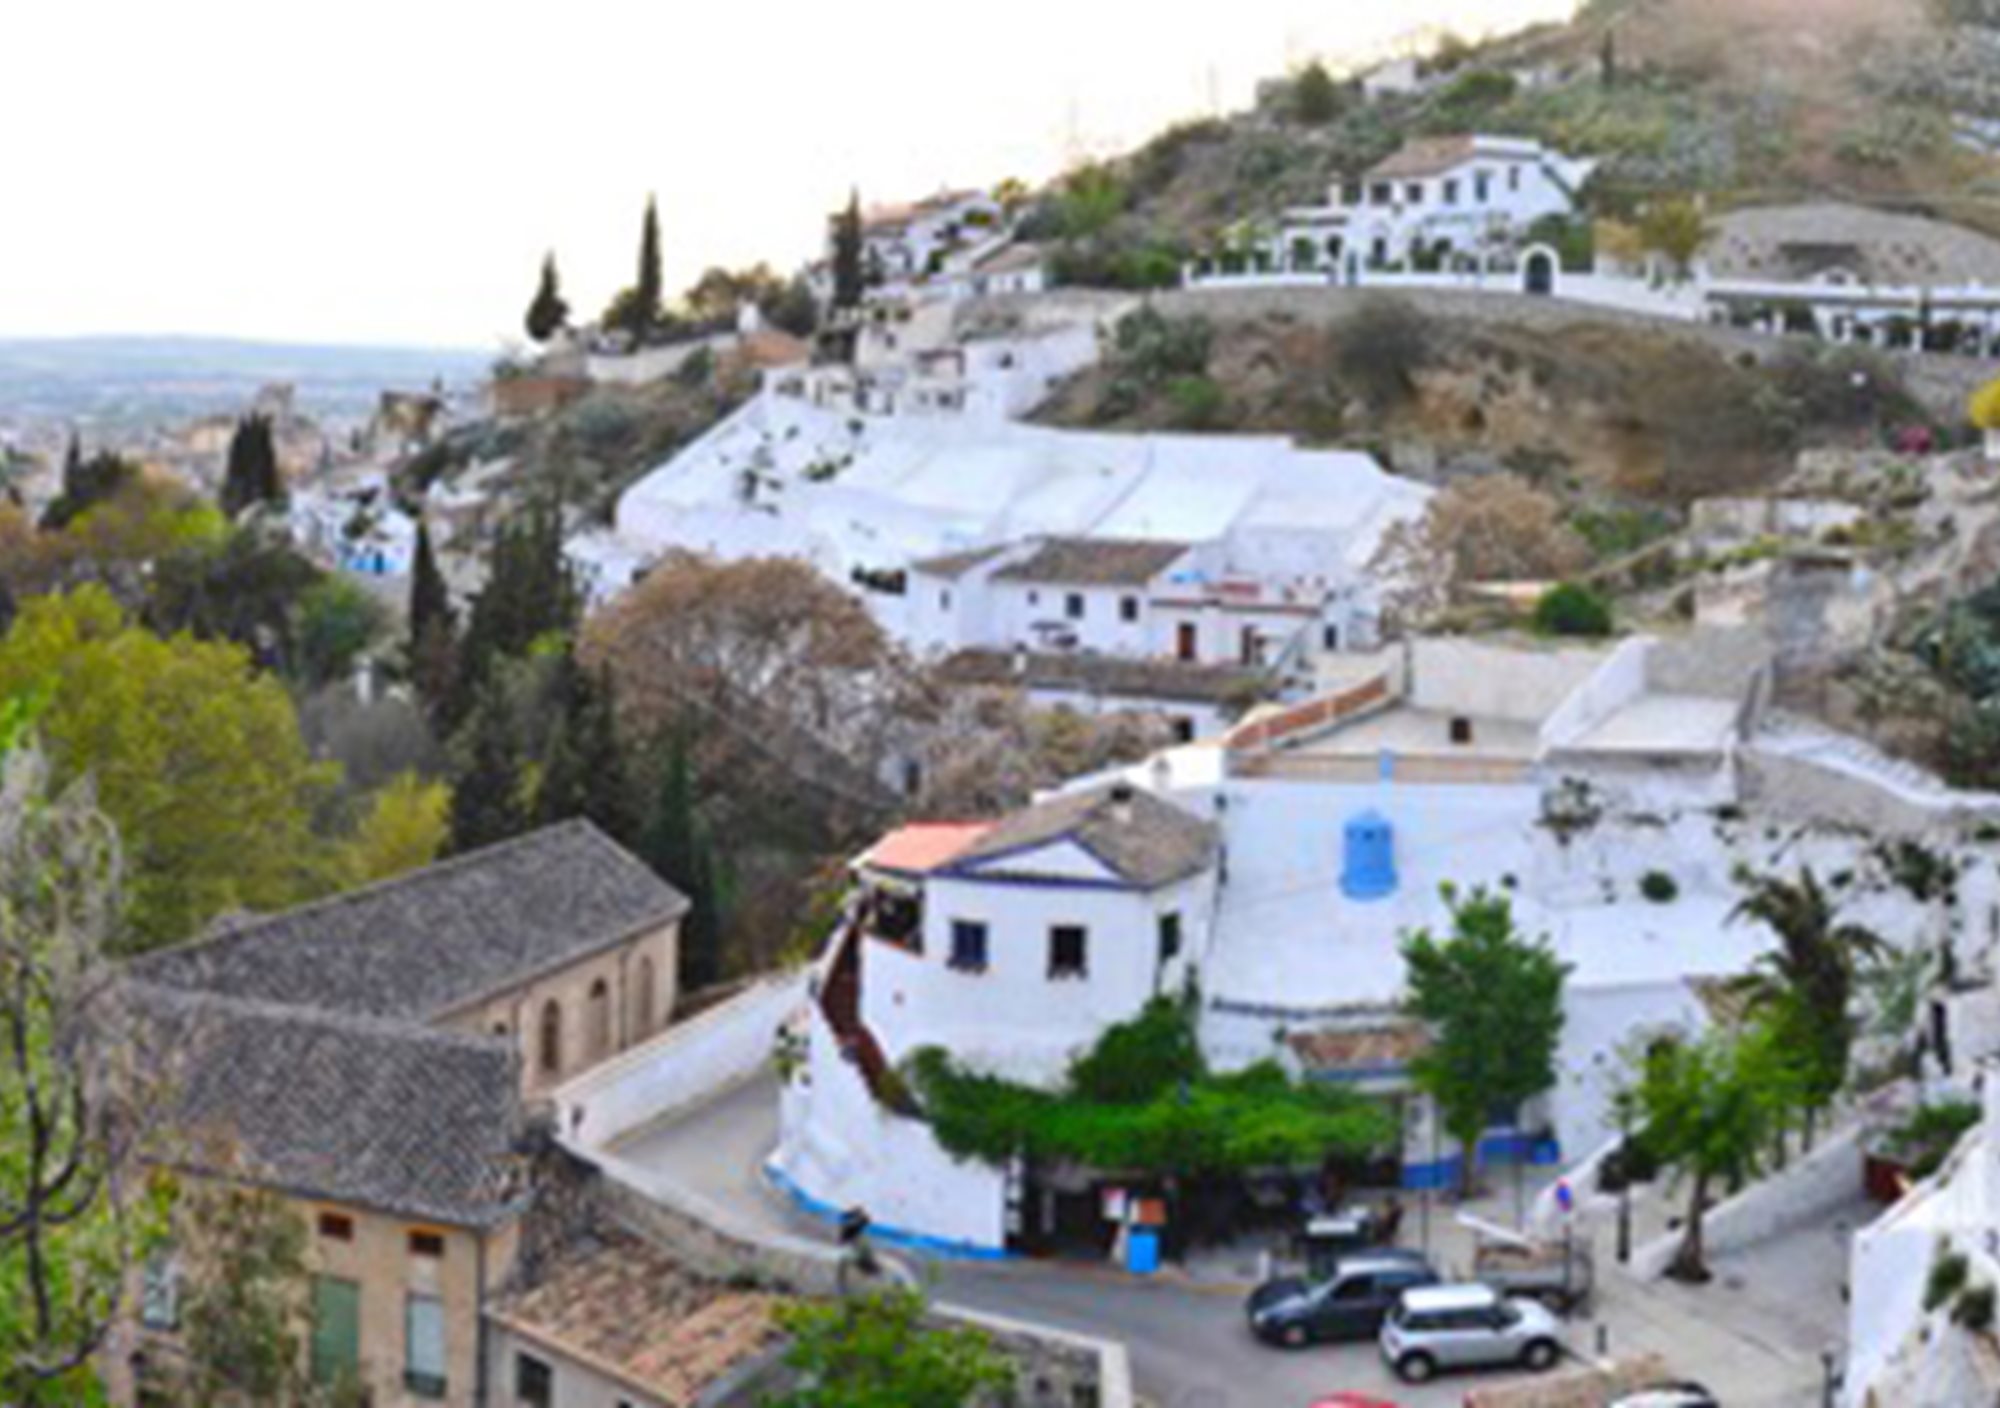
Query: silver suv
(1467, 1327)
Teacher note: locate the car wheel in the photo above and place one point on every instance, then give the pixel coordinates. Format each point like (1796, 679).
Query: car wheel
(1293, 1337)
(1539, 1355)
(1416, 1368)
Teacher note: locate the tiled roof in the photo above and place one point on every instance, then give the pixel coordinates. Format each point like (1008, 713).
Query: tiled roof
(1010, 258)
(1086, 672)
(1388, 1045)
(952, 565)
(376, 1114)
(625, 1308)
(1141, 839)
(1085, 562)
(426, 943)
(924, 846)
(1423, 156)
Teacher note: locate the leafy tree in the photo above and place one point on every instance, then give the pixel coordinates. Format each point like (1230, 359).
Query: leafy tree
(679, 848)
(76, 1212)
(249, 586)
(487, 803)
(1709, 1108)
(1808, 983)
(530, 593)
(86, 483)
(1315, 96)
(1495, 527)
(547, 313)
(337, 622)
(1570, 609)
(244, 1307)
(1675, 228)
(849, 272)
(1493, 1000)
(406, 826)
(874, 1352)
(196, 757)
(252, 476)
(584, 772)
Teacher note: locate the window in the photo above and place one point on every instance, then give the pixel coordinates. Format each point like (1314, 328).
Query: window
(1381, 193)
(968, 945)
(1034, 598)
(423, 1346)
(1350, 194)
(336, 1339)
(1355, 1288)
(160, 1294)
(1513, 178)
(336, 1227)
(1128, 608)
(1069, 951)
(597, 1020)
(1330, 638)
(534, 1381)
(1170, 937)
(1414, 193)
(427, 1244)
(1482, 186)
(1183, 728)
(552, 1037)
(1450, 190)
(944, 600)
(1073, 606)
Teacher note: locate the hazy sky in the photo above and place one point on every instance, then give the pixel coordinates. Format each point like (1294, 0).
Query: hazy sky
(359, 170)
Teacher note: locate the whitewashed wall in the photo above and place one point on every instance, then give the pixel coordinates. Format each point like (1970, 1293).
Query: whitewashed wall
(1811, 1187)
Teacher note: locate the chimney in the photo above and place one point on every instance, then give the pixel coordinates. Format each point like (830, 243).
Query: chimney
(1121, 803)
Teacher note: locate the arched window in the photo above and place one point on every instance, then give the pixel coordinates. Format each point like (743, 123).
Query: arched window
(597, 1021)
(642, 1001)
(552, 1037)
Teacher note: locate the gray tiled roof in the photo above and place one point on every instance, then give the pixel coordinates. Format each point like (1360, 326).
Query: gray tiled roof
(1143, 840)
(1088, 562)
(436, 939)
(951, 566)
(377, 1114)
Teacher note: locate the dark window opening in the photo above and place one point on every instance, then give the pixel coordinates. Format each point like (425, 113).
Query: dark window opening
(336, 1227)
(968, 945)
(1128, 608)
(1461, 730)
(1170, 937)
(1073, 606)
(534, 1382)
(1069, 951)
(430, 1244)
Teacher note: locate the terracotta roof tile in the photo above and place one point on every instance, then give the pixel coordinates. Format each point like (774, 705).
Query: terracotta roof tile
(1386, 1045)
(1084, 562)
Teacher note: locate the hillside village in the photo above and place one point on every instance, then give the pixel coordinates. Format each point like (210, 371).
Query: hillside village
(1353, 754)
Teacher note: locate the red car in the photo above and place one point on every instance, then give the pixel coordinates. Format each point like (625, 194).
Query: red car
(1353, 1400)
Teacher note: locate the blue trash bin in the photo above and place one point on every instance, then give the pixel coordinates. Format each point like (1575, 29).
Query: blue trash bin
(1142, 1251)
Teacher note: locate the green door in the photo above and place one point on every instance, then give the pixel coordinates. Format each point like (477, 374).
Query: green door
(336, 1342)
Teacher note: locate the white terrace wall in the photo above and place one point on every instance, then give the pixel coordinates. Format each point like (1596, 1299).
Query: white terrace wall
(1455, 676)
(1614, 684)
(1827, 1178)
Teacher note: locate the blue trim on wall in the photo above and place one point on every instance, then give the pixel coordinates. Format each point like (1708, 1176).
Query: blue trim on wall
(1499, 1147)
(1356, 1073)
(877, 1232)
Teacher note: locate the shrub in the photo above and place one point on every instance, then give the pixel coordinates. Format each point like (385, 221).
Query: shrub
(1974, 1310)
(1569, 609)
(1659, 887)
(1931, 1132)
(1315, 96)
(1947, 1278)
(1197, 402)
(1378, 350)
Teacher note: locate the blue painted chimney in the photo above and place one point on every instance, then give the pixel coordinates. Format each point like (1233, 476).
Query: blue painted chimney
(1368, 869)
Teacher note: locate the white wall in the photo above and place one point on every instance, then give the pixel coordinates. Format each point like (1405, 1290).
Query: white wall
(1602, 1028)
(685, 1065)
(1619, 680)
(1019, 607)
(1496, 681)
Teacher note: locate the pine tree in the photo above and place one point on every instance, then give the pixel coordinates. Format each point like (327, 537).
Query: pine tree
(430, 597)
(678, 847)
(547, 314)
(849, 272)
(530, 593)
(486, 802)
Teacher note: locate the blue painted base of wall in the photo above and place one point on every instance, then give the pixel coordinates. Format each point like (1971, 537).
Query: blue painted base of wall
(877, 1232)
(1500, 1147)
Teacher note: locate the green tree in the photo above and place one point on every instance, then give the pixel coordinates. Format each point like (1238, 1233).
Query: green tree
(77, 1212)
(636, 310)
(1708, 1109)
(252, 476)
(584, 772)
(1570, 609)
(1807, 983)
(487, 802)
(87, 483)
(242, 1256)
(849, 271)
(1675, 228)
(337, 622)
(547, 313)
(1493, 1000)
(433, 646)
(249, 585)
(681, 851)
(874, 1352)
(1315, 96)
(406, 826)
(195, 756)
(530, 594)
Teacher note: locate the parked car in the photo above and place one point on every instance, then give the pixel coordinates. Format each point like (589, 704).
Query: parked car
(1348, 1305)
(1560, 1276)
(1467, 1327)
(1674, 1395)
(1352, 1400)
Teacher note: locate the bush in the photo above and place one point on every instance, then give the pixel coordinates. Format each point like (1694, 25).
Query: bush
(1974, 1310)
(1927, 1137)
(1569, 609)
(1378, 350)
(1947, 1278)
(1315, 96)
(1197, 402)
(1659, 887)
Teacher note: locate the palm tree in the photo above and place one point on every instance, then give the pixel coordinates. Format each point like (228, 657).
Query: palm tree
(1807, 983)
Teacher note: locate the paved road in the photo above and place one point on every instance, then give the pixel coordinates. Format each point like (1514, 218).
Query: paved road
(1754, 1336)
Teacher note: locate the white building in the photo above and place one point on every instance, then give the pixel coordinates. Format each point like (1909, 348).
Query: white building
(1603, 790)
(356, 528)
(917, 250)
(1439, 203)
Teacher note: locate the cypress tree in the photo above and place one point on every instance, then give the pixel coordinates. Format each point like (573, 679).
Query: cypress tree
(649, 287)
(607, 781)
(530, 593)
(486, 789)
(547, 313)
(678, 848)
(849, 273)
(252, 474)
(430, 597)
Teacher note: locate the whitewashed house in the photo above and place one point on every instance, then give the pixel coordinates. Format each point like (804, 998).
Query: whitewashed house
(907, 249)
(1437, 203)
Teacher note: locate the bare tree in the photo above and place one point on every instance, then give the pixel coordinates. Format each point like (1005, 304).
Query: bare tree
(76, 1209)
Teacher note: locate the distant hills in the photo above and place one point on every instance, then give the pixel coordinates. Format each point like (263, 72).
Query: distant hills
(127, 381)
